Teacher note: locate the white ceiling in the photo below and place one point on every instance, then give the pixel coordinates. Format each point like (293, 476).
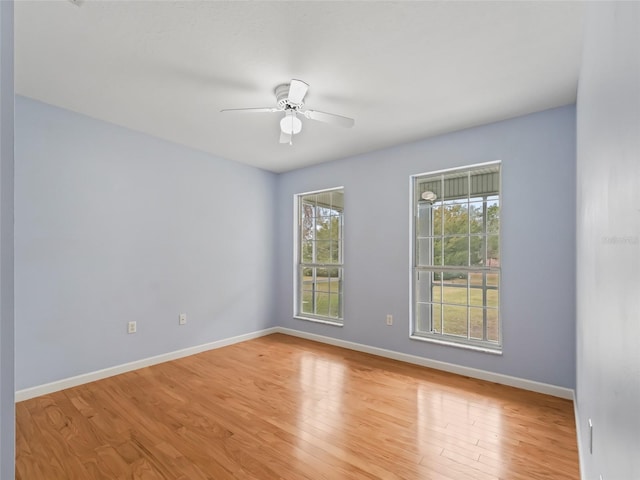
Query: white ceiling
(403, 70)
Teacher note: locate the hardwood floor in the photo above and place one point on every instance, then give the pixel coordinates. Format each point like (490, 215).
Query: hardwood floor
(280, 407)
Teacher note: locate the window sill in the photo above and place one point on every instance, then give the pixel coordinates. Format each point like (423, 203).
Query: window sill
(466, 346)
(320, 320)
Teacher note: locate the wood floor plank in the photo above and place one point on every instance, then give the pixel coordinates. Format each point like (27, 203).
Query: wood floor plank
(279, 407)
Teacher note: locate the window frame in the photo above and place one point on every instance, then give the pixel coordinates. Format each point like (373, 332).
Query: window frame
(440, 337)
(299, 264)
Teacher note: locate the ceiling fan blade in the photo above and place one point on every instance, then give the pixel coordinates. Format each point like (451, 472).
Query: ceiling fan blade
(252, 110)
(297, 91)
(329, 118)
(285, 137)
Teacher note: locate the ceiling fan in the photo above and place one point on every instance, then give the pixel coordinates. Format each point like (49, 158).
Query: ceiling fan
(290, 99)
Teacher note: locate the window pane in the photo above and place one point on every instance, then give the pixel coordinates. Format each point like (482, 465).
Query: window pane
(334, 305)
(477, 323)
(455, 320)
(493, 251)
(437, 208)
(456, 219)
(424, 251)
(323, 251)
(493, 215)
(493, 326)
(335, 252)
(437, 251)
(423, 317)
(424, 220)
(436, 291)
(493, 298)
(322, 304)
(307, 302)
(307, 252)
(324, 224)
(322, 283)
(456, 251)
(333, 273)
(476, 279)
(334, 280)
(307, 223)
(424, 286)
(454, 288)
(476, 220)
(306, 275)
(436, 309)
(476, 297)
(477, 250)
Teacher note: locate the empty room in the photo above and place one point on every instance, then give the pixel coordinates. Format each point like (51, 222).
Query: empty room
(308, 240)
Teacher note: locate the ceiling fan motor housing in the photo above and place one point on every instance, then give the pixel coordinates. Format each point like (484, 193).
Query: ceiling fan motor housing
(282, 97)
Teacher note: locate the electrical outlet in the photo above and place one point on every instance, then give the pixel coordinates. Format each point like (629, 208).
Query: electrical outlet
(389, 319)
(131, 327)
(182, 318)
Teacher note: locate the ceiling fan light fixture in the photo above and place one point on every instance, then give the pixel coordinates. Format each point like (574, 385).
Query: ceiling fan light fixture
(290, 123)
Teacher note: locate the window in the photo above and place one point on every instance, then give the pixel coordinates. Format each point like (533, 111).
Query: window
(456, 257)
(319, 256)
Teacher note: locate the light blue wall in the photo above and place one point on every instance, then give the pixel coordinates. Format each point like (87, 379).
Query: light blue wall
(113, 225)
(608, 242)
(538, 242)
(7, 408)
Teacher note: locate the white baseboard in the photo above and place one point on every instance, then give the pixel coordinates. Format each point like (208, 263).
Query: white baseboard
(530, 385)
(581, 452)
(47, 388)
